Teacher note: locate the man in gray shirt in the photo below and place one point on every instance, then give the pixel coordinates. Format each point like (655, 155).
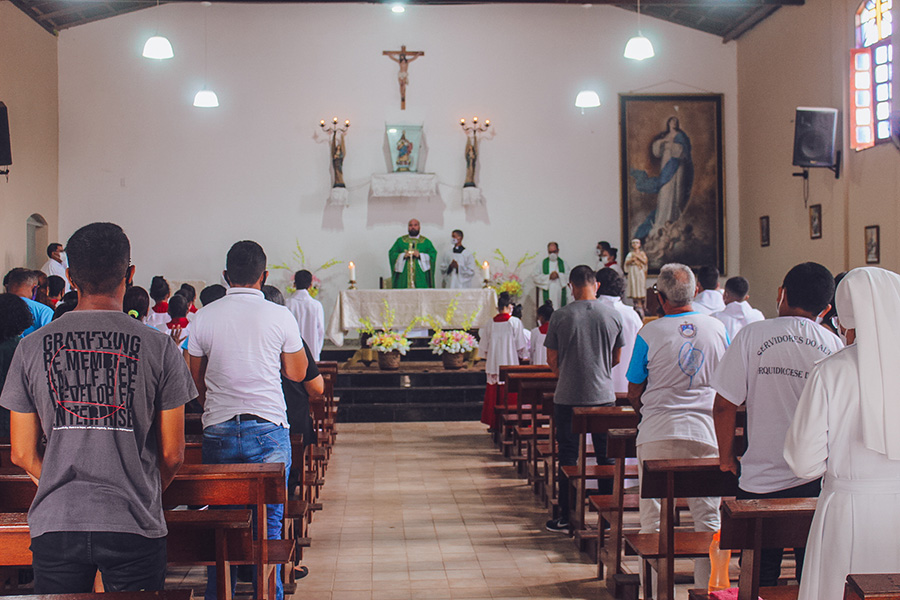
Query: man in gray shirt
(584, 342)
(108, 393)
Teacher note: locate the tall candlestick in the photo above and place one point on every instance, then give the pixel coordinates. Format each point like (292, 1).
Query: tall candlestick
(352, 271)
(486, 270)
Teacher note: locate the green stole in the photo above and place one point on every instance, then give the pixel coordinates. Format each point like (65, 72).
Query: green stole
(562, 269)
(412, 276)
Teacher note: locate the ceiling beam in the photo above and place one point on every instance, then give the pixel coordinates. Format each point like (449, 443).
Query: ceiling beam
(749, 23)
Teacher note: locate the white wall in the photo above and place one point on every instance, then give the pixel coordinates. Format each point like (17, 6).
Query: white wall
(187, 182)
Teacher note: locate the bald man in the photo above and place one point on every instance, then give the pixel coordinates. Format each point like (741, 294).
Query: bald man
(412, 259)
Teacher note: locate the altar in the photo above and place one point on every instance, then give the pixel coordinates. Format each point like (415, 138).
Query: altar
(354, 306)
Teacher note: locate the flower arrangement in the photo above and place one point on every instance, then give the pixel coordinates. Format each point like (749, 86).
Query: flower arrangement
(452, 342)
(299, 260)
(385, 339)
(508, 279)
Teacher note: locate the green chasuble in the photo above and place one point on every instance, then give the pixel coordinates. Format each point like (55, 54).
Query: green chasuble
(412, 276)
(546, 270)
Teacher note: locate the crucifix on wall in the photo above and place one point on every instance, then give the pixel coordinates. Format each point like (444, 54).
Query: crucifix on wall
(403, 58)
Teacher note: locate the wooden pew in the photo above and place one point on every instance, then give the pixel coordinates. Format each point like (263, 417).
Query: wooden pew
(620, 444)
(872, 587)
(529, 431)
(518, 415)
(668, 480)
(507, 403)
(162, 595)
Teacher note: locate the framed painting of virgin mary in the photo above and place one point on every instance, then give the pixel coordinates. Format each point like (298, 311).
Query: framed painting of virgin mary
(672, 178)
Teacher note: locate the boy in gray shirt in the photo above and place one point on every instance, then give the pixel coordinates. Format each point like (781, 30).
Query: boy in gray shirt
(584, 342)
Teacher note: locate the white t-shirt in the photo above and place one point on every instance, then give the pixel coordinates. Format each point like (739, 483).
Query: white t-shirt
(708, 302)
(243, 335)
(631, 324)
(310, 318)
(677, 355)
(736, 315)
(767, 366)
(51, 267)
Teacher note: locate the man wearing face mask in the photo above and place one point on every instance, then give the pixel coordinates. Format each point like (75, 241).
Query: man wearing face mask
(458, 267)
(767, 366)
(56, 263)
(552, 278)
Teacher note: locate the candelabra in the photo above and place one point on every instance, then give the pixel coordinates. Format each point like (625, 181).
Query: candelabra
(471, 194)
(338, 194)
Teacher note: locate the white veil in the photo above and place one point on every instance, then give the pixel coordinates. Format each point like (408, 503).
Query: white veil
(868, 300)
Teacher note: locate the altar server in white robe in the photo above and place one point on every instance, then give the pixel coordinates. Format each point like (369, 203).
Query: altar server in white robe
(552, 277)
(537, 353)
(612, 286)
(457, 267)
(738, 311)
(309, 313)
(846, 427)
(709, 298)
(502, 342)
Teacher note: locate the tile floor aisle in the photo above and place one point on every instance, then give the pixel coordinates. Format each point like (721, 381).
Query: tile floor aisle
(432, 510)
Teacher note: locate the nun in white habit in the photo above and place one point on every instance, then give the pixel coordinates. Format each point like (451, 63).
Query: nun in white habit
(847, 427)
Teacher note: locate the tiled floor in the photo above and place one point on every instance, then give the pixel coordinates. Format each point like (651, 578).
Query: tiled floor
(431, 510)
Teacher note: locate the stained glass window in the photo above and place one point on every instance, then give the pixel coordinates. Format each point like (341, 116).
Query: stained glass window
(871, 72)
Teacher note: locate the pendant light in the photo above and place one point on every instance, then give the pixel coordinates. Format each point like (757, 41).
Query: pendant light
(158, 47)
(639, 47)
(206, 98)
(587, 99)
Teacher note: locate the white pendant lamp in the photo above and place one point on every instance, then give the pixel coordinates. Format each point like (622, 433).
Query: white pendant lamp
(398, 8)
(587, 99)
(639, 47)
(206, 98)
(157, 47)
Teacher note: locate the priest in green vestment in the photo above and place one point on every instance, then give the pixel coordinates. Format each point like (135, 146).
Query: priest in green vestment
(551, 277)
(413, 259)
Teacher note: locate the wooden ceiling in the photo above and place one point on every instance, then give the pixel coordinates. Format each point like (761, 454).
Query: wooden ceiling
(726, 18)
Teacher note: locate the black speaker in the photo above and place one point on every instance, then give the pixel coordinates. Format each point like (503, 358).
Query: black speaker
(5, 152)
(815, 133)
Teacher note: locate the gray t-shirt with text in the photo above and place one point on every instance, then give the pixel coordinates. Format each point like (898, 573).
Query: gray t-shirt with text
(584, 334)
(96, 380)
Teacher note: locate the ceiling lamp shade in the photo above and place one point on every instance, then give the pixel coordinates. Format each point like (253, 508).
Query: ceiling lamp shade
(206, 99)
(398, 8)
(587, 99)
(639, 48)
(158, 47)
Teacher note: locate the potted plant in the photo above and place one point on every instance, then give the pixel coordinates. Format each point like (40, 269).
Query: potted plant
(299, 262)
(508, 279)
(389, 344)
(452, 346)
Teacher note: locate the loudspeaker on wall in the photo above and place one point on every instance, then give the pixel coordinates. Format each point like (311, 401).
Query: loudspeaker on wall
(5, 151)
(815, 135)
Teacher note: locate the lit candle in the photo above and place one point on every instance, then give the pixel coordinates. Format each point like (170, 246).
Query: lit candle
(474, 119)
(347, 123)
(322, 123)
(335, 120)
(487, 123)
(352, 271)
(486, 270)
(462, 121)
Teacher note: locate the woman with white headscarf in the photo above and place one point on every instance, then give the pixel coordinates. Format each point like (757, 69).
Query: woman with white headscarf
(847, 427)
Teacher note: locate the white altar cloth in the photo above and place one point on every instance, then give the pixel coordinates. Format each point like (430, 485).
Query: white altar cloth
(404, 185)
(354, 305)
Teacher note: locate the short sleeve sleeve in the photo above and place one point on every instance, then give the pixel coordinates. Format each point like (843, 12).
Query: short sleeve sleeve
(620, 337)
(552, 339)
(195, 341)
(312, 370)
(16, 391)
(637, 369)
(176, 387)
(292, 340)
(730, 377)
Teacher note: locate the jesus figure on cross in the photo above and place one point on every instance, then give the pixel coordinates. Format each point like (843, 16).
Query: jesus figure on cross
(403, 58)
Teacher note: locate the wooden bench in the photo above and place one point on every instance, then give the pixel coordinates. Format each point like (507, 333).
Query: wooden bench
(529, 431)
(884, 586)
(161, 595)
(507, 400)
(668, 480)
(518, 413)
(620, 444)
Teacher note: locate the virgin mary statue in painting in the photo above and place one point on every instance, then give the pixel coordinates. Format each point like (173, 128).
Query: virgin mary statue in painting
(673, 184)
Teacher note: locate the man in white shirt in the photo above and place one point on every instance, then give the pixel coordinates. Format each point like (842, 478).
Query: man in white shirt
(239, 347)
(56, 263)
(669, 384)
(767, 366)
(709, 297)
(458, 267)
(309, 313)
(737, 312)
(612, 286)
(552, 277)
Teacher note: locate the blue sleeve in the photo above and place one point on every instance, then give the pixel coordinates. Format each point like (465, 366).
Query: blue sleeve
(637, 368)
(184, 344)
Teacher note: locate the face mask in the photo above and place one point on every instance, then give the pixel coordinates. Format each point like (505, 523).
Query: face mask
(553, 256)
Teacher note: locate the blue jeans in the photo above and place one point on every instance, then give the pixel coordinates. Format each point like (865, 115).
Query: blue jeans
(246, 441)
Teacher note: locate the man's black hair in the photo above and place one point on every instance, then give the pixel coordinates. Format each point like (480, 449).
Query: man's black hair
(245, 263)
(611, 283)
(68, 303)
(545, 311)
(99, 257)
(503, 300)
(56, 285)
(15, 316)
(159, 288)
(604, 245)
(828, 318)
(809, 286)
(136, 299)
(613, 253)
(188, 291)
(517, 311)
(211, 293)
(18, 277)
(459, 231)
(52, 248)
(302, 279)
(737, 287)
(581, 276)
(273, 294)
(708, 277)
(178, 306)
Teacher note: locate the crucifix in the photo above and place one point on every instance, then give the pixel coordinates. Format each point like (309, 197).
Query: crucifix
(403, 58)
